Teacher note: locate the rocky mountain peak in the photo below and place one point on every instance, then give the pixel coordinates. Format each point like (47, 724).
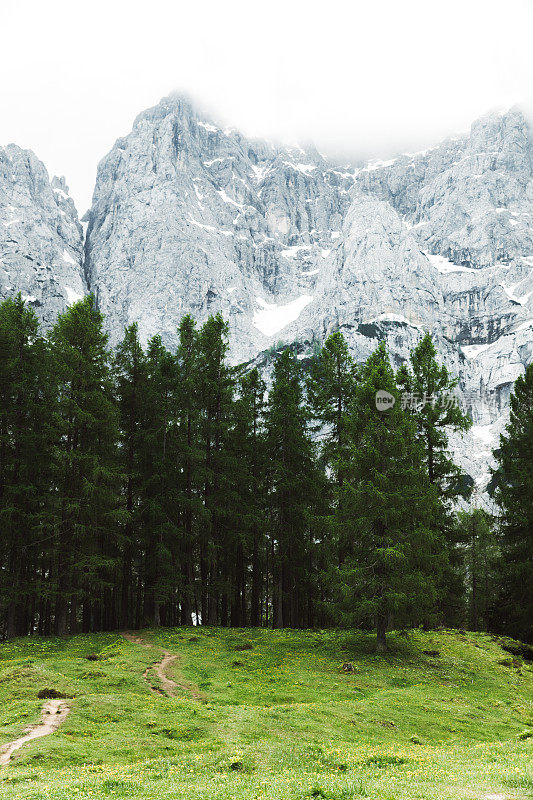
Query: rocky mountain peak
(224, 222)
(41, 239)
(503, 134)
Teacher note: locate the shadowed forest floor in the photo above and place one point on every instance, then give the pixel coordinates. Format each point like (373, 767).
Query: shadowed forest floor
(190, 713)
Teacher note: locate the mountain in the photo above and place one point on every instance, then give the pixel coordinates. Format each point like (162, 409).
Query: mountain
(188, 216)
(41, 239)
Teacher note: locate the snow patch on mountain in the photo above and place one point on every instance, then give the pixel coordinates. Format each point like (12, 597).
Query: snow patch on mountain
(272, 318)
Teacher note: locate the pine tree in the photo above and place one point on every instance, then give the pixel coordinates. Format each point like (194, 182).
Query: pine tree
(480, 557)
(216, 388)
(160, 519)
(515, 498)
(428, 394)
(388, 509)
(330, 390)
(435, 411)
(190, 456)
(27, 405)
(131, 386)
(296, 486)
(248, 446)
(87, 476)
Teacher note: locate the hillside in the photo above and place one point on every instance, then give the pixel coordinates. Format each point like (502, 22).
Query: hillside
(230, 713)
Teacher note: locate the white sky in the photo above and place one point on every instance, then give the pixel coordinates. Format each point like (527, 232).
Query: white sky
(359, 78)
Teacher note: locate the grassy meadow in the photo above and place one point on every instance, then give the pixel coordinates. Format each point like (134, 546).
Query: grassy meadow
(270, 714)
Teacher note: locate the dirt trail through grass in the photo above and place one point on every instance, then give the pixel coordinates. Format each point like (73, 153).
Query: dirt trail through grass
(54, 713)
(168, 686)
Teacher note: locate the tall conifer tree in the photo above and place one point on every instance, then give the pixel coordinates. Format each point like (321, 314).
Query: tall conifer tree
(429, 390)
(159, 468)
(330, 391)
(216, 387)
(389, 509)
(190, 457)
(514, 613)
(86, 544)
(27, 415)
(296, 486)
(435, 411)
(480, 552)
(131, 386)
(248, 445)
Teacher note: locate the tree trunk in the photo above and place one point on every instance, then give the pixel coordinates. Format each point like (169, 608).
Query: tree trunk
(11, 626)
(381, 630)
(73, 623)
(203, 584)
(61, 616)
(256, 586)
(125, 610)
(474, 578)
(188, 584)
(156, 618)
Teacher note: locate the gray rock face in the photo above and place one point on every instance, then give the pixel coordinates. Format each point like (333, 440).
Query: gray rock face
(41, 239)
(469, 199)
(468, 203)
(190, 217)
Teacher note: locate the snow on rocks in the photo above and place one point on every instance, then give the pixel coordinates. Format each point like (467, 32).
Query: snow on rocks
(271, 318)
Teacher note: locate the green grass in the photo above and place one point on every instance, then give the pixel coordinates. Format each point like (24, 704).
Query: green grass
(270, 714)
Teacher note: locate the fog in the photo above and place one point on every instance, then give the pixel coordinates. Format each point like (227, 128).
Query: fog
(359, 79)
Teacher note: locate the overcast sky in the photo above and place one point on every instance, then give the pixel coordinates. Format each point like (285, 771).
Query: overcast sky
(363, 78)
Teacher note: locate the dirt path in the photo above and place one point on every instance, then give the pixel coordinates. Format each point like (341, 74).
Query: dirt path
(54, 713)
(168, 686)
